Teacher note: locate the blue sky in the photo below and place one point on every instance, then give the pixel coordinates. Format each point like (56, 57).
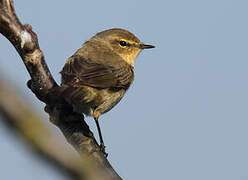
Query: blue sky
(185, 117)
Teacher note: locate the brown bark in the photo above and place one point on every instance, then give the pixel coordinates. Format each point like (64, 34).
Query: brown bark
(43, 85)
(20, 117)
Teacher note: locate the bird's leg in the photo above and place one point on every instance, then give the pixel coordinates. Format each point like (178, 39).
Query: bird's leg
(96, 115)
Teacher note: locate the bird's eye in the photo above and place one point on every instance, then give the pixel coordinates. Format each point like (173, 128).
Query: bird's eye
(123, 43)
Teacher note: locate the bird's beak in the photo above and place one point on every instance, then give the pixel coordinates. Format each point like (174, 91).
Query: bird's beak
(146, 46)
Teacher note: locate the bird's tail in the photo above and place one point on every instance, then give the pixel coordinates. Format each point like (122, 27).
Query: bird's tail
(75, 95)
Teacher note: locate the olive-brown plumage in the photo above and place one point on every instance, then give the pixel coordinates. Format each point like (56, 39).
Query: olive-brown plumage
(97, 76)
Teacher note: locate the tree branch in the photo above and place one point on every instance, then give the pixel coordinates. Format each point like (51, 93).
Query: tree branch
(43, 85)
(21, 118)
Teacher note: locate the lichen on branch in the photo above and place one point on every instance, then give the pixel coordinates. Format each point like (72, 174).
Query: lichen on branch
(43, 85)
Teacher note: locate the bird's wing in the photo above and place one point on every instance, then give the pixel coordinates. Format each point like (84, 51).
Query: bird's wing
(80, 71)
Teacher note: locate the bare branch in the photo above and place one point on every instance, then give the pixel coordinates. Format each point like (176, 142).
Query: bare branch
(43, 85)
(20, 117)
(26, 43)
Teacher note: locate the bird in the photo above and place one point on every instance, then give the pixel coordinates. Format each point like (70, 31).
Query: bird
(96, 77)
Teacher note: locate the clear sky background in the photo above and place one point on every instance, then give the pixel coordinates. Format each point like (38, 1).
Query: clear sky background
(185, 117)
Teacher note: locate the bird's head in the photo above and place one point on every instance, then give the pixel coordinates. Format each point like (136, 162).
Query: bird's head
(123, 43)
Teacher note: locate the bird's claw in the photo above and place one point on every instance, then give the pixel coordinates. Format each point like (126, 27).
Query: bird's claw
(102, 148)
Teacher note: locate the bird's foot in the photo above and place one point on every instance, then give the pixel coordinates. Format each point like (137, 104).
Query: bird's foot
(102, 148)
